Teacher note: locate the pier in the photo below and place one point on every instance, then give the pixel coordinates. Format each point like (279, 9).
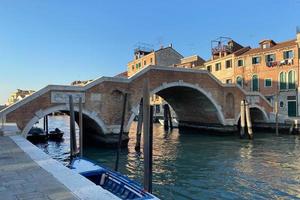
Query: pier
(26, 173)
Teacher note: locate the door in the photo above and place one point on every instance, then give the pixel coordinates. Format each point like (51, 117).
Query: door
(292, 108)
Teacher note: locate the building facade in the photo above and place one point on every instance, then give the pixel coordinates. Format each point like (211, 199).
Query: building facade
(271, 69)
(144, 57)
(18, 95)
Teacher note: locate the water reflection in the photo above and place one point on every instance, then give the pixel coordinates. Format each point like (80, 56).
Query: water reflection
(189, 165)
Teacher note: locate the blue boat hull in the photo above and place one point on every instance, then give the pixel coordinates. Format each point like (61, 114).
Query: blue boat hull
(114, 182)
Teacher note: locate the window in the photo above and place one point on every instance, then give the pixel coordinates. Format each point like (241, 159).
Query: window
(255, 60)
(209, 68)
(228, 64)
(288, 54)
(151, 60)
(270, 58)
(240, 63)
(157, 108)
(291, 77)
(218, 66)
(255, 83)
(282, 81)
(228, 81)
(239, 81)
(137, 65)
(268, 82)
(145, 62)
(132, 67)
(267, 45)
(281, 104)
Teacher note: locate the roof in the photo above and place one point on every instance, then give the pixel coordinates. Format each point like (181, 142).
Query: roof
(164, 48)
(241, 51)
(122, 75)
(276, 46)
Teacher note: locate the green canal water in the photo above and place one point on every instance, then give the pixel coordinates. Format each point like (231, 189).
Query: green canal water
(191, 165)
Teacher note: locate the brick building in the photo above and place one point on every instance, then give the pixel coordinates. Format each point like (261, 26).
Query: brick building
(144, 57)
(271, 69)
(18, 95)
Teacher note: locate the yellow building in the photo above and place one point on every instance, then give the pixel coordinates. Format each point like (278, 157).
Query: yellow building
(18, 95)
(144, 57)
(223, 54)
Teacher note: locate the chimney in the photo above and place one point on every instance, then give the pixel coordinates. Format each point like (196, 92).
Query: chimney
(171, 45)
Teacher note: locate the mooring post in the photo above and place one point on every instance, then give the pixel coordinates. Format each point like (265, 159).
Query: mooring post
(276, 115)
(73, 146)
(150, 149)
(47, 125)
(170, 116)
(248, 119)
(80, 128)
(242, 119)
(121, 132)
(44, 123)
(139, 127)
(146, 119)
(166, 121)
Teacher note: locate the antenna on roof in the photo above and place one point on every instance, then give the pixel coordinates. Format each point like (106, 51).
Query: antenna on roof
(141, 46)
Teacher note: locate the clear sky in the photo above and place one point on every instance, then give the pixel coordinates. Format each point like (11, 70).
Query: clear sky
(57, 41)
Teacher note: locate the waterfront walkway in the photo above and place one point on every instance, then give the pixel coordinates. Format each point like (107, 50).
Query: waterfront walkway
(23, 179)
(27, 173)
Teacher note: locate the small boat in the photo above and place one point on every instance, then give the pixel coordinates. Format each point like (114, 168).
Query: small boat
(174, 122)
(57, 134)
(114, 182)
(36, 135)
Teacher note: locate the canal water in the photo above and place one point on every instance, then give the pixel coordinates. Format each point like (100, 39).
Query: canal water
(190, 165)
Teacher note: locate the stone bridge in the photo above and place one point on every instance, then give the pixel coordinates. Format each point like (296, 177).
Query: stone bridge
(197, 97)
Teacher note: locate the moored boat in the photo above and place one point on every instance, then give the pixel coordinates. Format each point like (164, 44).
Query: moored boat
(57, 134)
(114, 182)
(36, 135)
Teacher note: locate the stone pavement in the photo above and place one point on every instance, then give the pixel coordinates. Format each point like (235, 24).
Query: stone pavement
(23, 179)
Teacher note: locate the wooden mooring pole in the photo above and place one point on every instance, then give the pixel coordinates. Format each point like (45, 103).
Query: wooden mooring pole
(166, 120)
(147, 129)
(139, 127)
(121, 132)
(73, 145)
(248, 119)
(47, 125)
(80, 128)
(169, 116)
(276, 114)
(242, 119)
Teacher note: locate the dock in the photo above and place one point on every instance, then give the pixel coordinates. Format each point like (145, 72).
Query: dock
(27, 173)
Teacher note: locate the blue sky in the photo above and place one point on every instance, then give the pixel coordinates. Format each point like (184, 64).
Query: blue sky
(57, 41)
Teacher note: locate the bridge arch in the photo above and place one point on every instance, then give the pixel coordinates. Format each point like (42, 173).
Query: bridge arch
(167, 88)
(257, 112)
(42, 113)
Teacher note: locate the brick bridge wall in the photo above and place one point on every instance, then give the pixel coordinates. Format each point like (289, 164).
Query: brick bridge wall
(195, 95)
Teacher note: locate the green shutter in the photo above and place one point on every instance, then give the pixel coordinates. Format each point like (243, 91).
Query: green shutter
(282, 84)
(291, 77)
(255, 83)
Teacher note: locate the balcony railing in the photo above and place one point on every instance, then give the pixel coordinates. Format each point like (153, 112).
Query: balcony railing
(279, 63)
